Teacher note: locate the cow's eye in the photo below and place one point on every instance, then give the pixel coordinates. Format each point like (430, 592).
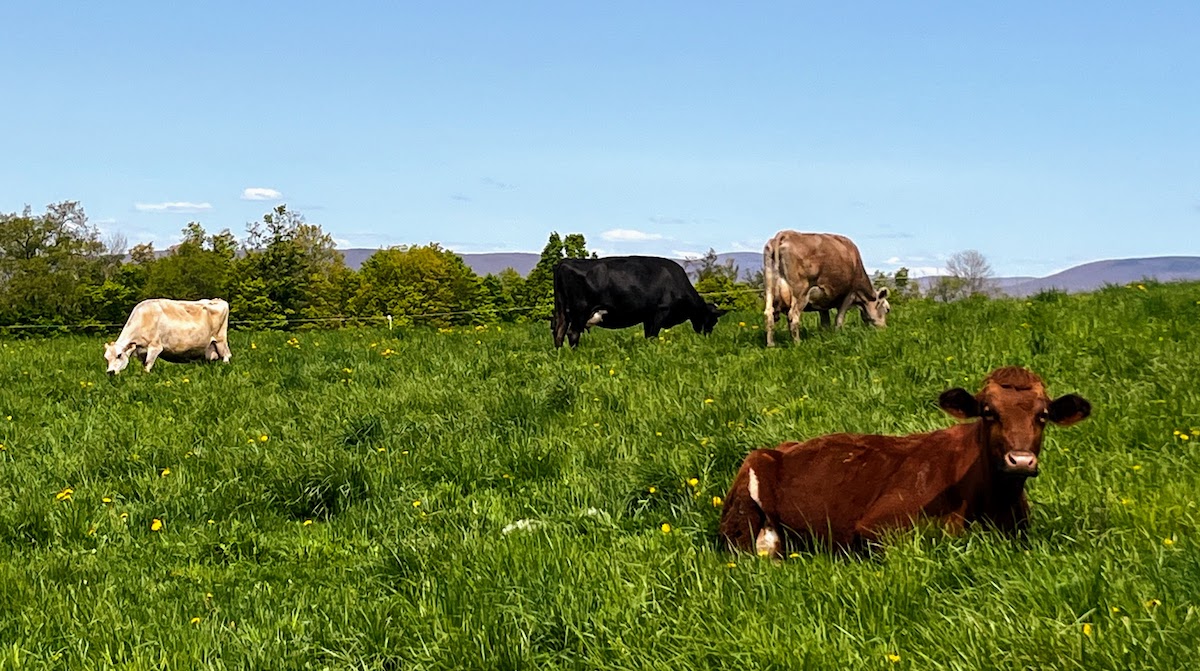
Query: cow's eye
(988, 414)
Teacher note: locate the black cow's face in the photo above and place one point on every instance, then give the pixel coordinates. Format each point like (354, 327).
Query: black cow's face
(708, 319)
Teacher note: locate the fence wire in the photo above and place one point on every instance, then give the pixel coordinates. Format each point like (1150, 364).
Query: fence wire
(389, 319)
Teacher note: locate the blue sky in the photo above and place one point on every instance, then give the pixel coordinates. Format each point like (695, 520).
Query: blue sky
(1042, 134)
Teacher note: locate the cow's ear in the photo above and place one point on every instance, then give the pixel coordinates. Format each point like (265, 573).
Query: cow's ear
(130, 347)
(959, 402)
(881, 294)
(1069, 409)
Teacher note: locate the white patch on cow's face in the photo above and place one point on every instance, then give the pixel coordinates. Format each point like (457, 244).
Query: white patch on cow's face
(754, 488)
(767, 543)
(117, 359)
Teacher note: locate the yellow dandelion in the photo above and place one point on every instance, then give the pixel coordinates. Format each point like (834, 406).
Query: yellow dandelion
(1087, 629)
(1153, 603)
(893, 657)
(263, 438)
(2, 447)
(612, 371)
(717, 502)
(253, 346)
(64, 495)
(1126, 501)
(1176, 432)
(165, 472)
(506, 476)
(666, 528)
(1115, 610)
(658, 433)
(185, 380)
(652, 489)
(794, 555)
(416, 504)
(742, 324)
(381, 449)
(1168, 542)
(693, 481)
(212, 522)
(731, 565)
(308, 523)
(1137, 467)
(1141, 287)
(763, 553)
(195, 620)
(106, 500)
(92, 530)
(708, 400)
(156, 524)
(124, 516)
(1183, 436)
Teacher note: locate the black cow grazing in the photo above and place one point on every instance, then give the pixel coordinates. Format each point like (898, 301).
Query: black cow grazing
(620, 291)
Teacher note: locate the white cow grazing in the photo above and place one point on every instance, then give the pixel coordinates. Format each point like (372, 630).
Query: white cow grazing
(178, 331)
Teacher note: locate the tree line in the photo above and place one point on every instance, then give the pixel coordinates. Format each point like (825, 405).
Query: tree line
(56, 271)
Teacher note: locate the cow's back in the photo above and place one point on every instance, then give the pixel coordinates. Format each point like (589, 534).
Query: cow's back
(832, 481)
(180, 327)
(828, 260)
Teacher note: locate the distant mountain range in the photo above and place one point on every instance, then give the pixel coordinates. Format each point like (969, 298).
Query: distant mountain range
(1084, 277)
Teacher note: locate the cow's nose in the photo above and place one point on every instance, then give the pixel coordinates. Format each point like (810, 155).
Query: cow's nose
(112, 372)
(1021, 462)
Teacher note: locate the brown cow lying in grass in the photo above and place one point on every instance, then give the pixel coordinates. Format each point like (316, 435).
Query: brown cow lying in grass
(843, 490)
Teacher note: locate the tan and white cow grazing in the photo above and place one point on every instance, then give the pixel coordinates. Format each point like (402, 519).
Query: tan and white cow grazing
(817, 272)
(176, 331)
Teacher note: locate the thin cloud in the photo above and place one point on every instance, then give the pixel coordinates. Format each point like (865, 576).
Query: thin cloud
(261, 193)
(687, 256)
(460, 198)
(180, 206)
(669, 221)
(505, 186)
(628, 235)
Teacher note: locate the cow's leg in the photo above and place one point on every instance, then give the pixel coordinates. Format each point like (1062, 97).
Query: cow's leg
(223, 350)
(560, 327)
(769, 313)
(152, 353)
(825, 319)
(796, 312)
(843, 309)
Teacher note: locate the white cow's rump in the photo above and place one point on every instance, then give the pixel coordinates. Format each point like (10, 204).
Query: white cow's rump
(177, 331)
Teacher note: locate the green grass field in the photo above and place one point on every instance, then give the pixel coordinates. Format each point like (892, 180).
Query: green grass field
(421, 499)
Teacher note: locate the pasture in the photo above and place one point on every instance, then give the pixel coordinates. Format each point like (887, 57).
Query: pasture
(473, 498)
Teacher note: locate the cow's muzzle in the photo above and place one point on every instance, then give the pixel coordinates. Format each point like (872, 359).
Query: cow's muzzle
(1021, 463)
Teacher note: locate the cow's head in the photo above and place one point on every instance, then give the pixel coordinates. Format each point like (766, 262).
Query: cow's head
(707, 319)
(1013, 409)
(118, 357)
(875, 310)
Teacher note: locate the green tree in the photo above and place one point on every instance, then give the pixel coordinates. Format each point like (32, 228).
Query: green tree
(717, 283)
(294, 264)
(201, 266)
(537, 295)
(48, 264)
(409, 282)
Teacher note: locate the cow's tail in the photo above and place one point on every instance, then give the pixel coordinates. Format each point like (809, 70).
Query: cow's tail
(770, 280)
(558, 320)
